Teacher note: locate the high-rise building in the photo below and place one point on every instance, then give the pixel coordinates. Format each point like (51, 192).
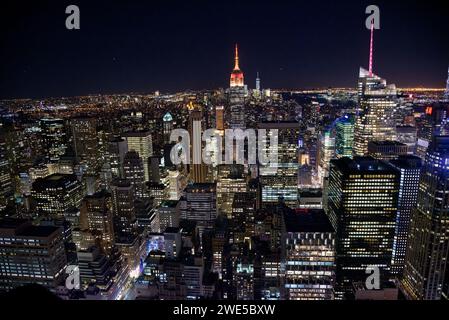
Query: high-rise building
(237, 74)
(107, 274)
(193, 272)
(115, 154)
(97, 218)
(85, 142)
(243, 211)
(53, 138)
(176, 184)
(158, 192)
(31, 254)
(237, 93)
(167, 126)
(426, 259)
(200, 204)
(344, 137)
(198, 169)
(376, 102)
(219, 118)
(6, 186)
(173, 244)
(258, 83)
(123, 206)
(308, 251)
(280, 180)
(410, 169)
(229, 184)
(362, 206)
(134, 172)
(326, 153)
(142, 143)
(387, 150)
(167, 215)
(373, 119)
(153, 163)
(54, 195)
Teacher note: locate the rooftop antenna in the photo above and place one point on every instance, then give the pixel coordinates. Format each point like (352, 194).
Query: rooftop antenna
(371, 48)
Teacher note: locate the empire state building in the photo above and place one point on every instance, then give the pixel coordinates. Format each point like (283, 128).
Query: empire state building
(237, 74)
(237, 93)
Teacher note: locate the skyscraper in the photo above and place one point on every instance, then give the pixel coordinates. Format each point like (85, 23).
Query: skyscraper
(123, 206)
(280, 180)
(96, 217)
(198, 170)
(237, 74)
(243, 211)
(200, 205)
(56, 194)
(30, 254)
(6, 186)
(362, 206)
(376, 101)
(229, 184)
(219, 118)
(308, 253)
(168, 126)
(428, 242)
(115, 154)
(410, 169)
(373, 119)
(237, 94)
(344, 137)
(326, 153)
(134, 172)
(85, 142)
(53, 138)
(141, 142)
(167, 215)
(258, 83)
(153, 164)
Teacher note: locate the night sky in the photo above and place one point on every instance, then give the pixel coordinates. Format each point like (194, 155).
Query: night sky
(169, 45)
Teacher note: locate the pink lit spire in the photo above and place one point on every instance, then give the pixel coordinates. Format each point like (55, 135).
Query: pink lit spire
(371, 48)
(236, 66)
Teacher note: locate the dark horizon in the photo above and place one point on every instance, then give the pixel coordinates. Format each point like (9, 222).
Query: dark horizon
(177, 46)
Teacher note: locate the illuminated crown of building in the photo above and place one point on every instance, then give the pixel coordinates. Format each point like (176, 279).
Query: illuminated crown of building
(237, 74)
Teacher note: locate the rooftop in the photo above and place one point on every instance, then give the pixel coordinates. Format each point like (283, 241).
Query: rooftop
(387, 143)
(54, 180)
(307, 220)
(22, 227)
(362, 165)
(407, 162)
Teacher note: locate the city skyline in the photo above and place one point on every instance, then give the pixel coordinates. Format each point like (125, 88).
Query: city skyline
(167, 48)
(241, 191)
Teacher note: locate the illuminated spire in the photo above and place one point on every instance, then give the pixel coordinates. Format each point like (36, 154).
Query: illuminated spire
(371, 48)
(236, 67)
(237, 74)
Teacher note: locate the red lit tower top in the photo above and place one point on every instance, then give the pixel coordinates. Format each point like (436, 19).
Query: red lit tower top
(237, 74)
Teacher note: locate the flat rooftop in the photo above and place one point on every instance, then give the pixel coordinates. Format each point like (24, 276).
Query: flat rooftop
(386, 143)
(54, 180)
(307, 220)
(362, 165)
(22, 227)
